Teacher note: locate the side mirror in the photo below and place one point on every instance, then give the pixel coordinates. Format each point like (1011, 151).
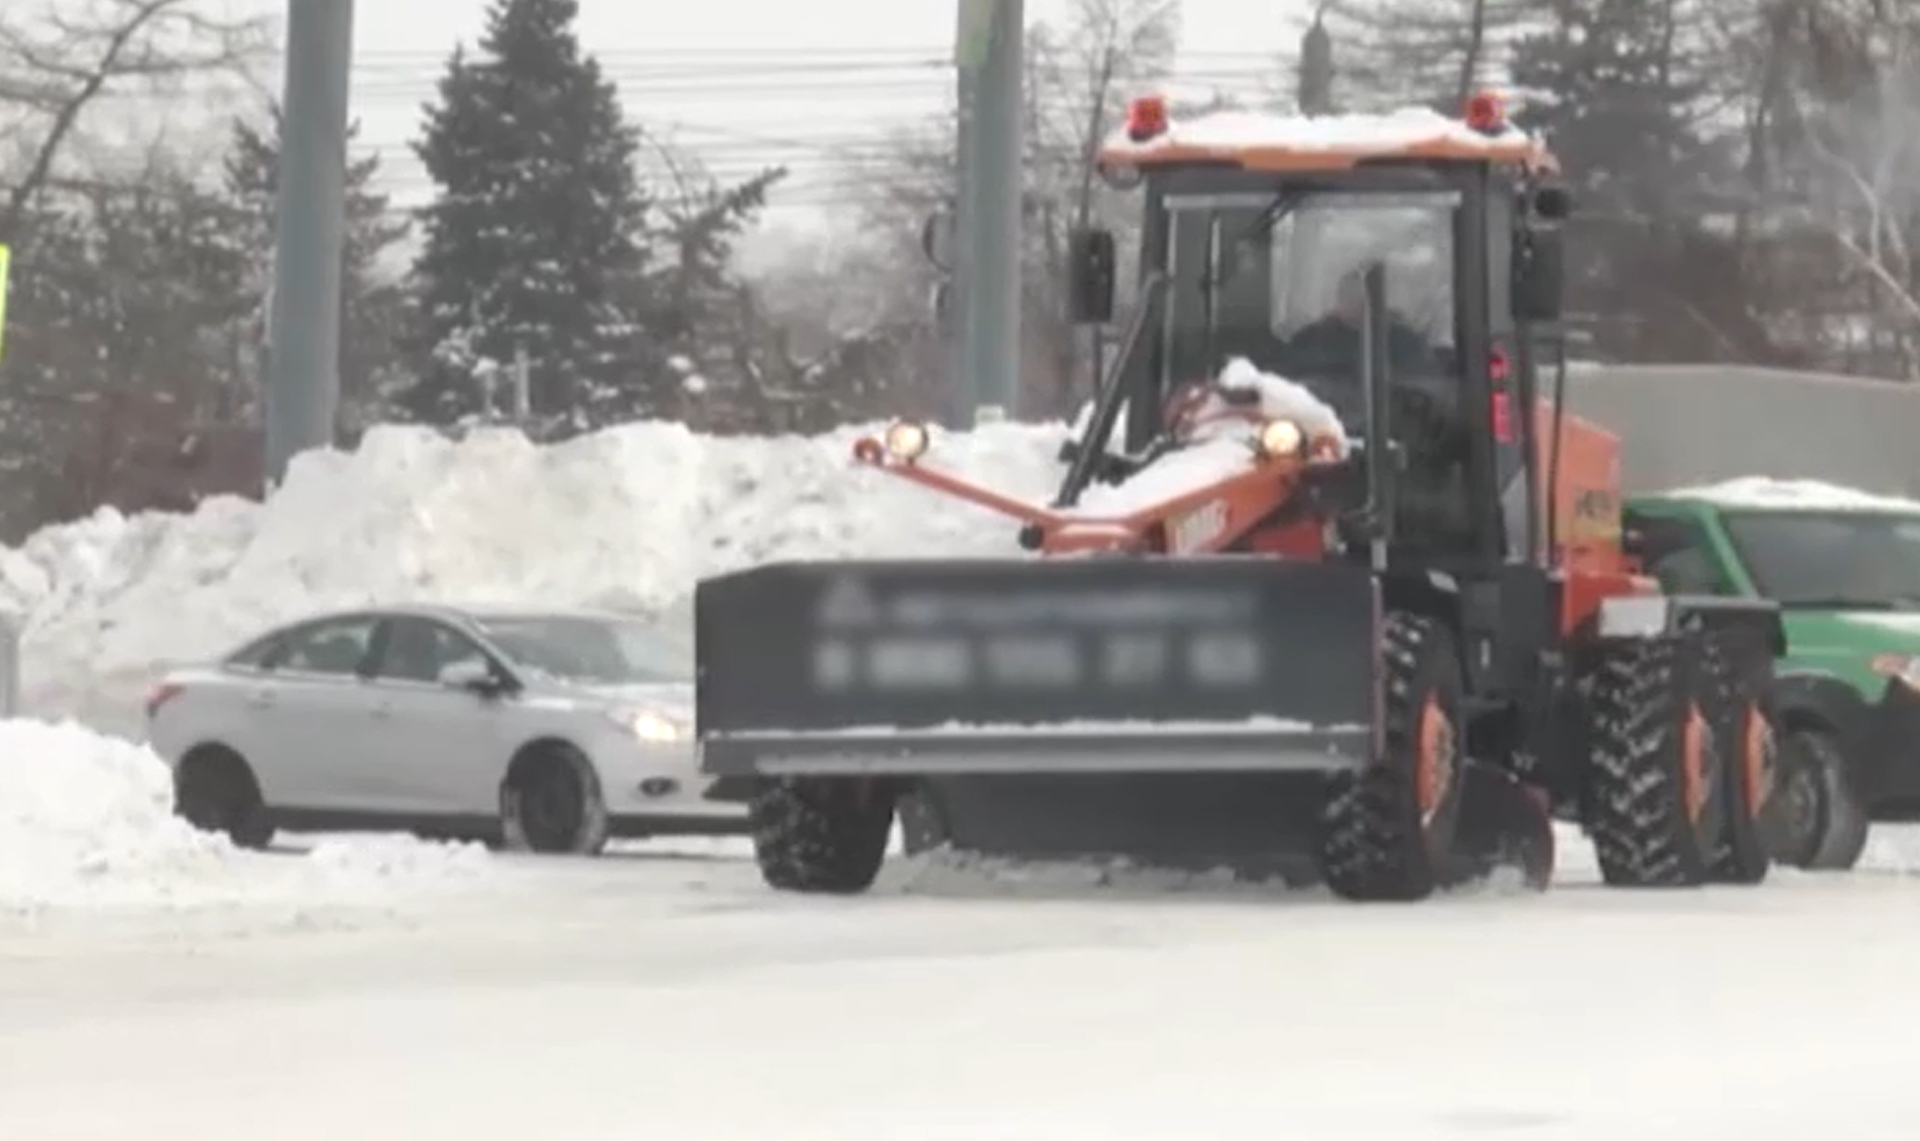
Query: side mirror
(936, 240)
(1553, 201)
(1539, 273)
(1091, 276)
(474, 677)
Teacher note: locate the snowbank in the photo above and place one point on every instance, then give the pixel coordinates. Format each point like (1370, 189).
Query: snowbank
(87, 821)
(627, 518)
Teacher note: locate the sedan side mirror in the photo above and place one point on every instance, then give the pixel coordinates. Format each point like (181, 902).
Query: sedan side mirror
(474, 677)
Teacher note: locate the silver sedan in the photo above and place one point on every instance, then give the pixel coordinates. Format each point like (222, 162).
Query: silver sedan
(546, 731)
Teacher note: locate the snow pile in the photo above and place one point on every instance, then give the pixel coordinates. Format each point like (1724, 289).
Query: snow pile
(395, 858)
(1279, 399)
(627, 518)
(947, 873)
(1758, 492)
(79, 813)
(87, 821)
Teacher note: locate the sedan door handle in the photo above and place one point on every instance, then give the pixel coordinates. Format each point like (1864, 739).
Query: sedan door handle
(260, 699)
(383, 709)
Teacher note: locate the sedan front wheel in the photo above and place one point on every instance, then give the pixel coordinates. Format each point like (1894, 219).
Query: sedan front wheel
(551, 803)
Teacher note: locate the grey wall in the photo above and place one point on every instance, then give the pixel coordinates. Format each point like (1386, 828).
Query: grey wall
(1697, 424)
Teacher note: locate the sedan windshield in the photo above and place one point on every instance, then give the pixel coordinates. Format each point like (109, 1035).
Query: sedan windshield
(1861, 560)
(591, 651)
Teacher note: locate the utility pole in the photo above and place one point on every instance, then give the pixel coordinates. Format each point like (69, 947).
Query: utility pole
(987, 274)
(963, 348)
(302, 390)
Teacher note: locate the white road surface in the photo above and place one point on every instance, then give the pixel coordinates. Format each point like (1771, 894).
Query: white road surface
(653, 996)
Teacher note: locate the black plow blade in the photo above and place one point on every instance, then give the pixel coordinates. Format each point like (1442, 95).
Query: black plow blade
(1175, 712)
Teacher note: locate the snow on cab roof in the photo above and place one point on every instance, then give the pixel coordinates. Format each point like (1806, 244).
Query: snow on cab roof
(1266, 141)
(1766, 493)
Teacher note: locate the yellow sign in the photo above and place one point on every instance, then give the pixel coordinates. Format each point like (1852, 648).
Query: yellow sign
(6, 264)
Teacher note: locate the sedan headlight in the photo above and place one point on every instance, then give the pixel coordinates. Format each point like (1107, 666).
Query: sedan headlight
(647, 725)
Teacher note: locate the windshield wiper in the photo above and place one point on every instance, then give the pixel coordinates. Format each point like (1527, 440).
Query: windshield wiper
(1092, 446)
(1282, 204)
(1841, 604)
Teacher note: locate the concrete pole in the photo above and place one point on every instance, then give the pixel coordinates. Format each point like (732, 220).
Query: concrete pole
(302, 394)
(989, 277)
(962, 281)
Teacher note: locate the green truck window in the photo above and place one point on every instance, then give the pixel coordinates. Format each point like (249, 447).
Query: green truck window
(1677, 553)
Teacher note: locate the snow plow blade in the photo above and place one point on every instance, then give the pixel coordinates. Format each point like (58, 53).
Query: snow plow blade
(1175, 712)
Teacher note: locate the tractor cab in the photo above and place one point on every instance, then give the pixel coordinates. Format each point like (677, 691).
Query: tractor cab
(1393, 265)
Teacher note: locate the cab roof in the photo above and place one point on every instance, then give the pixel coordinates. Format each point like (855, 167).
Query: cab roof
(1765, 493)
(1301, 143)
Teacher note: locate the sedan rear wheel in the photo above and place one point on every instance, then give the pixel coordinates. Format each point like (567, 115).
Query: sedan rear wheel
(215, 791)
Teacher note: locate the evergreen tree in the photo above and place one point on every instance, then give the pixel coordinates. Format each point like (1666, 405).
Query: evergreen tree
(1393, 53)
(120, 347)
(373, 302)
(1616, 88)
(535, 243)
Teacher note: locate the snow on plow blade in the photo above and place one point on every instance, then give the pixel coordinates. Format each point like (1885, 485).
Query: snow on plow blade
(925, 668)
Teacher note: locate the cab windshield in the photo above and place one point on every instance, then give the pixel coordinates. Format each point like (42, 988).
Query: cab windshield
(1279, 282)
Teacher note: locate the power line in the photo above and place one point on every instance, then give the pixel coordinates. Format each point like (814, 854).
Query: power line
(929, 78)
(941, 50)
(822, 142)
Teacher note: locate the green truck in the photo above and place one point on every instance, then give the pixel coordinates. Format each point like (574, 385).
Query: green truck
(1844, 566)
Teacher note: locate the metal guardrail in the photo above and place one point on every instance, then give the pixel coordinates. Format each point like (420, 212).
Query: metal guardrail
(9, 667)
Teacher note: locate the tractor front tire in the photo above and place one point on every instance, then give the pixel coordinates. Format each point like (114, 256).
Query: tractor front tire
(1389, 829)
(821, 835)
(1655, 795)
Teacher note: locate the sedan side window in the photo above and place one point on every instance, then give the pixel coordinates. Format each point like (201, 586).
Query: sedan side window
(420, 649)
(334, 647)
(260, 654)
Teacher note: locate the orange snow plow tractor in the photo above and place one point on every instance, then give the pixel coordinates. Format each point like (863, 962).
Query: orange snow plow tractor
(1331, 590)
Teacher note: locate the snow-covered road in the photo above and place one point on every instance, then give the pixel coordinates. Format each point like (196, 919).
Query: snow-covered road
(654, 997)
(157, 985)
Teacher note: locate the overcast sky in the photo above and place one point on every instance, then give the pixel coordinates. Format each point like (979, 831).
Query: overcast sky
(751, 82)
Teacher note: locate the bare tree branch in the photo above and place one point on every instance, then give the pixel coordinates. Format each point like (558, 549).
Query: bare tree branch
(58, 64)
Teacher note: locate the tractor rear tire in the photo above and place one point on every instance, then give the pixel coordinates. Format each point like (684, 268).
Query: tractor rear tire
(1745, 734)
(821, 835)
(1390, 828)
(1655, 797)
